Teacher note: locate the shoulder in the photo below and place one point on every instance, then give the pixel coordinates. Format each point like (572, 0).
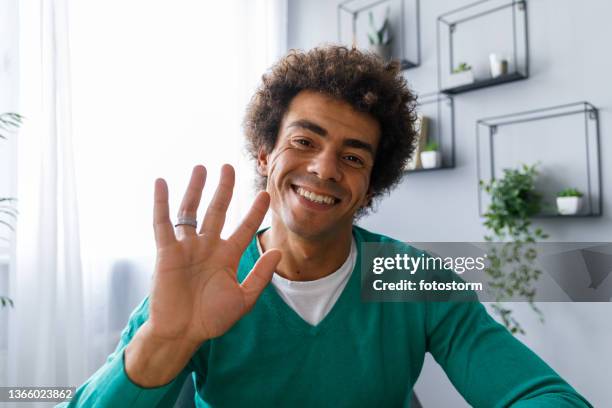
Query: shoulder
(372, 240)
(385, 260)
(363, 235)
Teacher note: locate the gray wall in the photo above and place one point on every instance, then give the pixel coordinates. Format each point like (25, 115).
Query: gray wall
(569, 63)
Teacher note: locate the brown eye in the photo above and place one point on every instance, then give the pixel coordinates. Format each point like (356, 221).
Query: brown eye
(354, 160)
(303, 142)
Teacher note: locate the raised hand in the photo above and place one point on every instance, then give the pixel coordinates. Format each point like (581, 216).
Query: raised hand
(196, 295)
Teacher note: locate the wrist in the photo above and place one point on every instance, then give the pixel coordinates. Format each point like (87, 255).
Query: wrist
(151, 361)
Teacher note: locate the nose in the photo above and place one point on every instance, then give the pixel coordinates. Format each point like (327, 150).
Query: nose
(325, 165)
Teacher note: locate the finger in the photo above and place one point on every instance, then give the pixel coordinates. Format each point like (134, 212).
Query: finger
(260, 276)
(215, 214)
(191, 199)
(162, 227)
(245, 231)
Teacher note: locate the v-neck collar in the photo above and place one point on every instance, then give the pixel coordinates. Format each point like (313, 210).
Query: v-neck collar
(270, 297)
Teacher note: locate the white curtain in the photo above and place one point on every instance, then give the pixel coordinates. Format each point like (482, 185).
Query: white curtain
(46, 337)
(144, 90)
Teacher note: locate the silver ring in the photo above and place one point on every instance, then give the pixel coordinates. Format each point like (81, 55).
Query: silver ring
(187, 221)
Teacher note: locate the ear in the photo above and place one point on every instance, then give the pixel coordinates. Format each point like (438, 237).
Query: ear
(262, 162)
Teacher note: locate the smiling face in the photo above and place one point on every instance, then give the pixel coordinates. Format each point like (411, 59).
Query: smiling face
(319, 170)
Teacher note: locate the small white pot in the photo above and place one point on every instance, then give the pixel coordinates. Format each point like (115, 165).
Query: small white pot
(460, 78)
(569, 205)
(431, 159)
(499, 66)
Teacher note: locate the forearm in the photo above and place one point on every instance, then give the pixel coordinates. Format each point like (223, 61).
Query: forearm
(561, 399)
(151, 362)
(488, 365)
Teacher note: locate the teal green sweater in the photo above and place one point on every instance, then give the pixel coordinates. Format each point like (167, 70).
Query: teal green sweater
(361, 354)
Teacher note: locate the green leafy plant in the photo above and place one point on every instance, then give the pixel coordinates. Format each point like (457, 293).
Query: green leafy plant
(4, 301)
(513, 202)
(382, 35)
(569, 192)
(7, 208)
(9, 122)
(462, 67)
(431, 147)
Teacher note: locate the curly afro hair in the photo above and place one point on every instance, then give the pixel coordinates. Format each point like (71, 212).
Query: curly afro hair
(363, 80)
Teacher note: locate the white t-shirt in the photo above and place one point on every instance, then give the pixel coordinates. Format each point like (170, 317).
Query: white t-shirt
(312, 300)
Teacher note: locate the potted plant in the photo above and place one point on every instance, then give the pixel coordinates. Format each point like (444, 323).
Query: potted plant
(511, 268)
(569, 201)
(430, 156)
(462, 75)
(380, 38)
(9, 122)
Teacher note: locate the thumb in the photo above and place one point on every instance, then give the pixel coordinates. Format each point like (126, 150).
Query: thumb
(260, 276)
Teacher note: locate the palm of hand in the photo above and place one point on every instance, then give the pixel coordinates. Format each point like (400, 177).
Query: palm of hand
(196, 295)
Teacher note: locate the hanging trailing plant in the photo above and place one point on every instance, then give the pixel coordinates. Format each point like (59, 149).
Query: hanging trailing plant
(511, 270)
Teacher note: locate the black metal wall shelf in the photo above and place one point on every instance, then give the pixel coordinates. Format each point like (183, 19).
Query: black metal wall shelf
(439, 109)
(404, 19)
(484, 84)
(461, 36)
(572, 129)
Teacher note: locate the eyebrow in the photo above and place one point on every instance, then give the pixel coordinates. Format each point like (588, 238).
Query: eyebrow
(313, 127)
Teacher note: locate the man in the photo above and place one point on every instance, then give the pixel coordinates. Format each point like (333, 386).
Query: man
(330, 130)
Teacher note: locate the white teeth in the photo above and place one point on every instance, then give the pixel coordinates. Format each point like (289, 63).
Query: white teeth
(315, 197)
